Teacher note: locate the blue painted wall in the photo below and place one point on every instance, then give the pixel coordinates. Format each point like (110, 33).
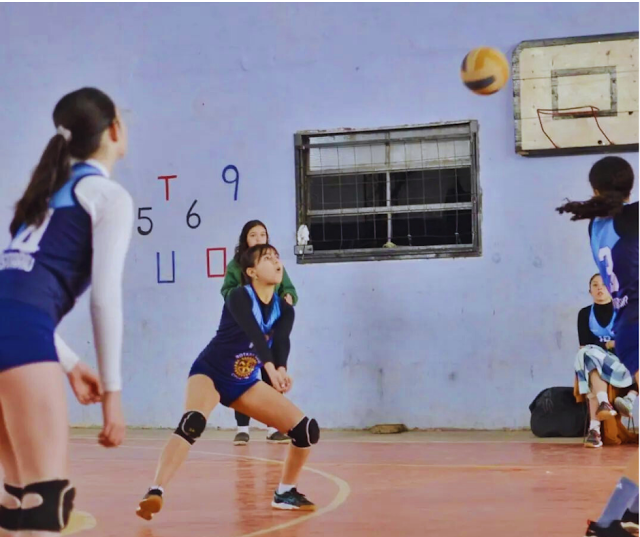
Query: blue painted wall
(433, 343)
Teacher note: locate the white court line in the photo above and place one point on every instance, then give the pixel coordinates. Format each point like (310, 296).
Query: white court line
(343, 487)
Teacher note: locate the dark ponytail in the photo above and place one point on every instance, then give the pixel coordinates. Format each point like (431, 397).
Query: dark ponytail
(50, 174)
(613, 178)
(81, 117)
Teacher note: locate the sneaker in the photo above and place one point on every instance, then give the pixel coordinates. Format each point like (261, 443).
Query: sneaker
(150, 504)
(605, 411)
(278, 438)
(624, 406)
(292, 500)
(615, 529)
(630, 521)
(594, 439)
(241, 439)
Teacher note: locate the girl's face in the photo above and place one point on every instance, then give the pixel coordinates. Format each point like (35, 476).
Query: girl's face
(268, 270)
(257, 235)
(599, 292)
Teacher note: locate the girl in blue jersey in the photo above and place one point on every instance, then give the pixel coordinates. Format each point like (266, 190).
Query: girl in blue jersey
(255, 232)
(253, 334)
(71, 228)
(613, 230)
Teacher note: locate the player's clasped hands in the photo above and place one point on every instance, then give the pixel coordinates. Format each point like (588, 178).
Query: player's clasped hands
(280, 379)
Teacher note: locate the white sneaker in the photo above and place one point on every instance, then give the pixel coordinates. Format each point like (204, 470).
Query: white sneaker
(624, 406)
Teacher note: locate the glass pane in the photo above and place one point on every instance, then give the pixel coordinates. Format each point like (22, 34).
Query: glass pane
(348, 191)
(431, 186)
(348, 232)
(432, 229)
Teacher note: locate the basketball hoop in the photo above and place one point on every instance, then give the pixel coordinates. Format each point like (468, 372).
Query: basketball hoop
(571, 113)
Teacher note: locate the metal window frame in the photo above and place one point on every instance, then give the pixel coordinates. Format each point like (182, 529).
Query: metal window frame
(303, 192)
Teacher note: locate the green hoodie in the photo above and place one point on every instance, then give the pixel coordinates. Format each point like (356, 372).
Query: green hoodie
(233, 279)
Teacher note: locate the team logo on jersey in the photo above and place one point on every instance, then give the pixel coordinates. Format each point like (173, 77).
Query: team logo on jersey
(17, 261)
(245, 365)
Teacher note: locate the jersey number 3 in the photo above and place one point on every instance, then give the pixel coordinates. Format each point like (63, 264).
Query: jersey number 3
(604, 255)
(28, 239)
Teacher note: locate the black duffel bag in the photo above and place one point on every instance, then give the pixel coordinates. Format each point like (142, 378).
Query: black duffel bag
(554, 412)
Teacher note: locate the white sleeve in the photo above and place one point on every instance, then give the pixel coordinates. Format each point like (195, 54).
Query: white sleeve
(68, 358)
(111, 209)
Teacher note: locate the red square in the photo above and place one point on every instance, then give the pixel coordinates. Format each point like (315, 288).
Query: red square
(224, 262)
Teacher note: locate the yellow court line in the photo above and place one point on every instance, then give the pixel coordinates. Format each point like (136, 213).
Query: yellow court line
(343, 488)
(79, 521)
(470, 466)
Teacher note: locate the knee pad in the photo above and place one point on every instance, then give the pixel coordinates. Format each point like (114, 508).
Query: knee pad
(191, 427)
(305, 434)
(10, 517)
(55, 508)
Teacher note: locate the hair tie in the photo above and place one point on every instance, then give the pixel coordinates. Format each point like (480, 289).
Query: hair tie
(66, 133)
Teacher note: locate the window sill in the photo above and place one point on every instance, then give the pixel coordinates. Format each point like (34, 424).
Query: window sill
(386, 254)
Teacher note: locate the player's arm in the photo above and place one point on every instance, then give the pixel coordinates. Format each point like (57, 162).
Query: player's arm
(111, 210)
(281, 346)
(584, 332)
(84, 382)
(68, 359)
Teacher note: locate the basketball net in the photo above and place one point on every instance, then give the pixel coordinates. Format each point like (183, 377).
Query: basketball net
(576, 113)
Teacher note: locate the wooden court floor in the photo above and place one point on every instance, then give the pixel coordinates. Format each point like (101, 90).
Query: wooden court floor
(455, 484)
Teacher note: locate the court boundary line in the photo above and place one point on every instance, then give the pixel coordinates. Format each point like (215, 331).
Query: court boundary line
(347, 441)
(343, 486)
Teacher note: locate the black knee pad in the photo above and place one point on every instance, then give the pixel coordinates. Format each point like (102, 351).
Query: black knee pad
(16, 492)
(305, 434)
(54, 511)
(192, 425)
(10, 517)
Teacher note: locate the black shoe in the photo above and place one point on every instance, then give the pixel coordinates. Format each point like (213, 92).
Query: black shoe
(292, 500)
(278, 438)
(241, 439)
(150, 504)
(630, 520)
(614, 529)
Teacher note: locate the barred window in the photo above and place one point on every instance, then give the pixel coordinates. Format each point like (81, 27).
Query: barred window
(403, 192)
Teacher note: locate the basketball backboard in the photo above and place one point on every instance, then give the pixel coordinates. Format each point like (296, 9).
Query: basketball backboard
(576, 95)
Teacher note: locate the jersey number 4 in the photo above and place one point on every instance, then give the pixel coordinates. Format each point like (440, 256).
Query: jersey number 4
(28, 239)
(605, 257)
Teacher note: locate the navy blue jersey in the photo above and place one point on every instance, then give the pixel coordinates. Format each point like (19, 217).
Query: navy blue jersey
(49, 267)
(614, 243)
(232, 351)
